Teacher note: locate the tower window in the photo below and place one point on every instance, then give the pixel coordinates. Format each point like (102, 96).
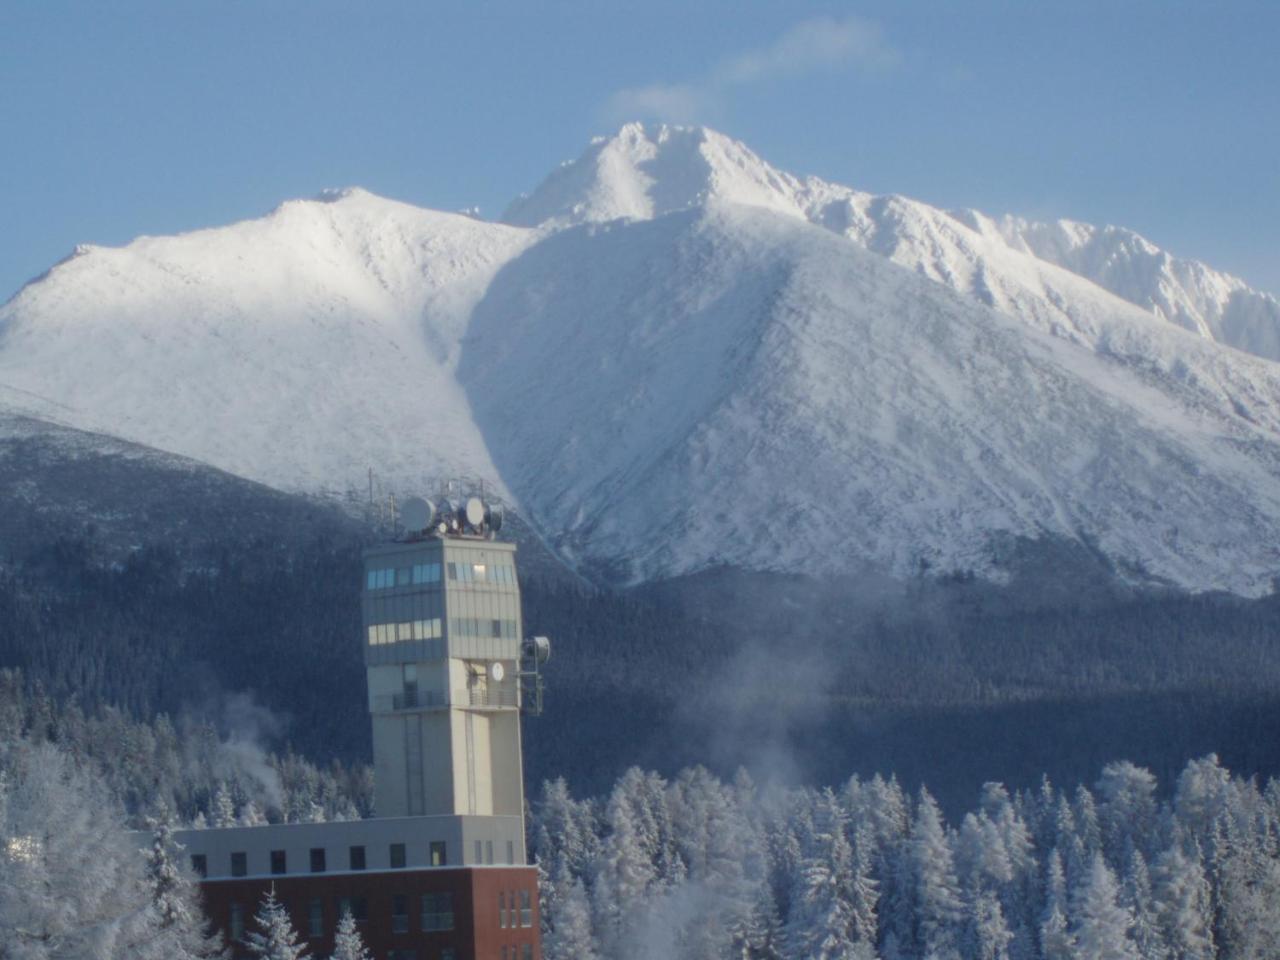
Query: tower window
(526, 908)
(397, 856)
(358, 907)
(357, 858)
(199, 865)
(237, 921)
(511, 852)
(502, 910)
(437, 911)
(438, 855)
(239, 864)
(315, 919)
(317, 860)
(488, 851)
(399, 913)
(278, 862)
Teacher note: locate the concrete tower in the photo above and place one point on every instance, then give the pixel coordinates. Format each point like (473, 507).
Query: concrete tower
(442, 645)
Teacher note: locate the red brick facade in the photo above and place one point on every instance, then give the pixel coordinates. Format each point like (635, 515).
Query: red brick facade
(495, 910)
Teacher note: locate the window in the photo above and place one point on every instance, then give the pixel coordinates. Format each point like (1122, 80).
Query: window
(397, 855)
(426, 573)
(502, 910)
(317, 860)
(453, 571)
(402, 576)
(511, 852)
(399, 913)
(479, 572)
(477, 858)
(504, 952)
(488, 851)
(199, 865)
(358, 907)
(438, 856)
(357, 858)
(237, 922)
(437, 911)
(526, 908)
(239, 864)
(278, 861)
(315, 919)
(526, 951)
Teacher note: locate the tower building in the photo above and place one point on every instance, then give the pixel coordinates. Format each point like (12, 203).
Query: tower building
(440, 872)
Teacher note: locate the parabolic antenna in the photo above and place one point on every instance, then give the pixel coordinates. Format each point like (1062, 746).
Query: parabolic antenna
(497, 672)
(475, 512)
(493, 516)
(416, 514)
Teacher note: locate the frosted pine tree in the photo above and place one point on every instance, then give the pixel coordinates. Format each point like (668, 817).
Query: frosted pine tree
(571, 938)
(1056, 942)
(987, 935)
(1183, 905)
(1100, 925)
(275, 938)
(1127, 813)
(347, 942)
(223, 812)
(174, 901)
(623, 877)
(939, 910)
(821, 925)
(1148, 938)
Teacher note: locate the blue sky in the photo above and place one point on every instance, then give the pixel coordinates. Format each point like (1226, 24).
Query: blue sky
(129, 118)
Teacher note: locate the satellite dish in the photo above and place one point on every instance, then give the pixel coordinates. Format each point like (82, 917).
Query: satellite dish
(417, 514)
(497, 672)
(475, 512)
(493, 516)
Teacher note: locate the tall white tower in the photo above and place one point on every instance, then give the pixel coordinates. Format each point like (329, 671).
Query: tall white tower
(442, 653)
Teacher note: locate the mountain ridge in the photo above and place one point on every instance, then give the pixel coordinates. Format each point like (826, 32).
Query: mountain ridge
(679, 357)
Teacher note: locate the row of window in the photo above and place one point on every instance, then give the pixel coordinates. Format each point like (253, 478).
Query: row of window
(389, 577)
(437, 856)
(428, 629)
(525, 952)
(499, 573)
(385, 578)
(378, 634)
(521, 910)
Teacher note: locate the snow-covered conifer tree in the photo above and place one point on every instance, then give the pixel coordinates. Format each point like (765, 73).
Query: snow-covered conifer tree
(1100, 924)
(1056, 941)
(349, 945)
(939, 910)
(174, 901)
(1183, 905)
(223, 807)
(571, 938)
(1148, 938)
(275, 938)
(821, 924)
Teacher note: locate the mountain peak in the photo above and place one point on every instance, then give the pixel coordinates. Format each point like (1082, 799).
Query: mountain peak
(648, 170)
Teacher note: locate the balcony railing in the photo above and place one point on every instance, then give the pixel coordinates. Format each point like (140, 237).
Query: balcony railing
(487, 697)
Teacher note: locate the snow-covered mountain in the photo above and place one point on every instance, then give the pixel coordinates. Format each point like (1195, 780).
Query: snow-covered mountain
(1033, 271)
(673, 356)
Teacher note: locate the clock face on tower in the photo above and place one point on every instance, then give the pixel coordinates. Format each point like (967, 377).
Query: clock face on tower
(497, 672)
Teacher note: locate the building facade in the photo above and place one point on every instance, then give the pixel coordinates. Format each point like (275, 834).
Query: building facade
(441, 872)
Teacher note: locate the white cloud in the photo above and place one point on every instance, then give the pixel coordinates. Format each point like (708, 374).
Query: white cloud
(823, 43)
